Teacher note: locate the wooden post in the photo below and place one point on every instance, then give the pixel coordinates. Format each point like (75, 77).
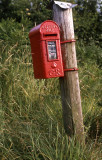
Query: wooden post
(70, 90)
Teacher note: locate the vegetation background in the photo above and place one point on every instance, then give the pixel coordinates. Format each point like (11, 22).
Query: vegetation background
(31, 125)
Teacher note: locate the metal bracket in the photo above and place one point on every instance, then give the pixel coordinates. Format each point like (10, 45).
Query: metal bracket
(65, 5)
(71, 69)
(68, 41)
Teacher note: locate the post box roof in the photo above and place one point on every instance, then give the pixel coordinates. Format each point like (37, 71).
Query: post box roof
(46, 27)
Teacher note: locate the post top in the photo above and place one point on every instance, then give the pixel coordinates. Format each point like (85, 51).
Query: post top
(65, 5)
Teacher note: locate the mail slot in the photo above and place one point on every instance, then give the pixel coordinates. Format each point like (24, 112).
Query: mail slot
(46, 50)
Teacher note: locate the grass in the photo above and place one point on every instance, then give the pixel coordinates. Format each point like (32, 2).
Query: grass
(31, 125)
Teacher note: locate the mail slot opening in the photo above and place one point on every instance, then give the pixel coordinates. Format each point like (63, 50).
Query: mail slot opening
(50, 35)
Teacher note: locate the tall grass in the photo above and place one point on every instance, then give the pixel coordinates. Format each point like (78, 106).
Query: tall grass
(31, 125)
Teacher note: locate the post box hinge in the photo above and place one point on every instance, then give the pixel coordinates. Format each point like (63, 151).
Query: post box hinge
(71, 69)
(68, 41)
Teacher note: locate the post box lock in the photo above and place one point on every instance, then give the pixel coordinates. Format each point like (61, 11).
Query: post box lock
(54, 65)
(46, 50)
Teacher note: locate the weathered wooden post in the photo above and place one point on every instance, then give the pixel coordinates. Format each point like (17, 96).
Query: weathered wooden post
(70, 90)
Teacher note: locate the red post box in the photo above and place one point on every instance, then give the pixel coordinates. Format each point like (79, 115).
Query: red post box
(46, 50)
